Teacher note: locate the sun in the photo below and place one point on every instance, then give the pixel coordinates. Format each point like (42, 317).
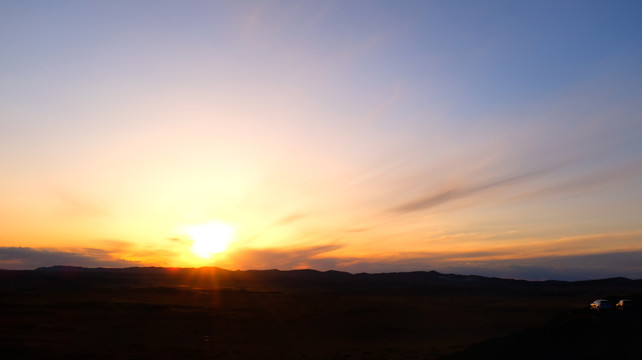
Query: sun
(210, 238)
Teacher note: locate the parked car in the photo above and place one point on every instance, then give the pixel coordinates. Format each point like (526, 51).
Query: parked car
(624, 304)
(601, 304)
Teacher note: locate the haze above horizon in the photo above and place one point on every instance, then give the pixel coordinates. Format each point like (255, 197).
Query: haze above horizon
(496, 138)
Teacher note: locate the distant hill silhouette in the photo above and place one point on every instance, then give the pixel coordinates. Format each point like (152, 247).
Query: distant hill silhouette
(213, 278)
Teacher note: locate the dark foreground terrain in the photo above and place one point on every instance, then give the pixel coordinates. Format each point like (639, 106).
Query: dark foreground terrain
(210, 313)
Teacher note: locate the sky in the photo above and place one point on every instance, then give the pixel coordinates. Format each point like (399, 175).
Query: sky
(495, 138)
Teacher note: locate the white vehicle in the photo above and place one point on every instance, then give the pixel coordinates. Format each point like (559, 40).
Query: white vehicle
(601, 304)
(624, 304)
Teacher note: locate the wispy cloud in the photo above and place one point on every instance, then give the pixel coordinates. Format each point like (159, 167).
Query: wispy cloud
(591, 244)
(381, 108)
(291, 218)
(309, 257)
(73, 204)
(586, 182)
(456, 192)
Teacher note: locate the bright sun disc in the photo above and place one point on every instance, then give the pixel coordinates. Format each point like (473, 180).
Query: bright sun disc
(211, 238)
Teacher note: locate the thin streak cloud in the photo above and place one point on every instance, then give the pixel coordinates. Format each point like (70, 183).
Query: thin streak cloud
(457, 192)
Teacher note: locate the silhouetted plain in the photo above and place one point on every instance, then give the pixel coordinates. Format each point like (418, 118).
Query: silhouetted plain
(211, 313)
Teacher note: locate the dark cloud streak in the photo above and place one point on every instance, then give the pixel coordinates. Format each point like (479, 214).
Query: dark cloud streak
(588, 182)
(574, 185)
(284, 258)
(434, 199)
(24, 258)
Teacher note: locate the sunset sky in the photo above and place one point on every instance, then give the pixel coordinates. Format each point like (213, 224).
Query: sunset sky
(497, 138)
